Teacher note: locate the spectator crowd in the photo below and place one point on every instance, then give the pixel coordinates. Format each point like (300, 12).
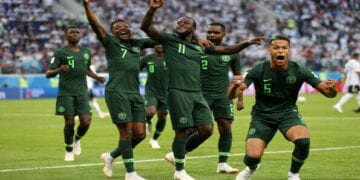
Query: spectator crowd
(323, 33)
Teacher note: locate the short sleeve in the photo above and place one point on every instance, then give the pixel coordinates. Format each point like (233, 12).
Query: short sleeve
(55, 60)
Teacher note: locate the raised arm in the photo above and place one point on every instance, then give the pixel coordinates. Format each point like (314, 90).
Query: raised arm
(147, 21)
(94, 23)
(238, 47)
(327, 88)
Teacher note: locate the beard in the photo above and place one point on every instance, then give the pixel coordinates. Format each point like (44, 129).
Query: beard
(74, 41)
(183, 34)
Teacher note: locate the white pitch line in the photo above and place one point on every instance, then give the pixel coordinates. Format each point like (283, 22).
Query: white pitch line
(157, 160)
(306, 118)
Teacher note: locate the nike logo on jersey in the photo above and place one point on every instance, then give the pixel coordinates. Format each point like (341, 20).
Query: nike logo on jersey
(69, 57)
(267, 80)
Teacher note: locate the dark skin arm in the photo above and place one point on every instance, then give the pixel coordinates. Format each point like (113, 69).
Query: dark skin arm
(155, 34)
(240, 102)
(327, 88)
(94, 23)
(231, 49)
(147, 21)
(92, 74)
(237, 87)
(53, 72)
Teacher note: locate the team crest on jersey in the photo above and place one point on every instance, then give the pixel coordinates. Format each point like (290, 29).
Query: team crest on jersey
(291, 79)
(252, 131)
(225, 59)
(183, 120)
(61, 109)
(86, 57)
(122, 116)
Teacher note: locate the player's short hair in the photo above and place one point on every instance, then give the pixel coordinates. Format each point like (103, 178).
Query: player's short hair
(116, 21)
(70, 27)
(278, 37)
(193, 20)
(218, 24)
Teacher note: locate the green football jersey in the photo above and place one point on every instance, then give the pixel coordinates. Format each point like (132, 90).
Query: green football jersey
(278, 91)
(157, 75)
(215, 74)
(73, 81)
(183, 60)
(124, 62)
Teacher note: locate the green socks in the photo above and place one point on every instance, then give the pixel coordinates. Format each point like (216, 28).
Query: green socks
(127, 155)
(224, 146)
(69, 138)
(300, 153)
(178, 147)
(160, 125)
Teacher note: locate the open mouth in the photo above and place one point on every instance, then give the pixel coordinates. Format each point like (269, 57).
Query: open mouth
(280, 57)
(212, 40)
(181, 28)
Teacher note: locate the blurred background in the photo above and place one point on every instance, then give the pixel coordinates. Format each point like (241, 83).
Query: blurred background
(324, 33)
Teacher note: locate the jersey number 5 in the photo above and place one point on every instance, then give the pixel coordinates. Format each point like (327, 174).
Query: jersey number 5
(267, 88)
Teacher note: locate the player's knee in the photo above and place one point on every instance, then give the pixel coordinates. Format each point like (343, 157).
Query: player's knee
(205, 131)
(138, 137)
(86, 122)
(302, 148)
(224, 126)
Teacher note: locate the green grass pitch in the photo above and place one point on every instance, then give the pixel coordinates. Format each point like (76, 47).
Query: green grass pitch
(32, 146)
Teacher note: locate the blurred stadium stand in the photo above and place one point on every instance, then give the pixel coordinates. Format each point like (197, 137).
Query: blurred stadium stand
(324, 32)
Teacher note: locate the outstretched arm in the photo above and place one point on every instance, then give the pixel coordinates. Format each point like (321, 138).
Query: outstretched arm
(94, 23)
(147, 21)
(238, 47)
(327, 88)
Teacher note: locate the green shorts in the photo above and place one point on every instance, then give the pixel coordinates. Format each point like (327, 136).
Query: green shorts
(125, 107)
(264, 126)
(73, 105)
(222, 108)
(188, 109)
(159, 103)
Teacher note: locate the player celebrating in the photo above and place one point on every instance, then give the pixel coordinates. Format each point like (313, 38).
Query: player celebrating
(122, 94)
(72, 63)
(214, 85)
(277, 83)
(187, 105)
